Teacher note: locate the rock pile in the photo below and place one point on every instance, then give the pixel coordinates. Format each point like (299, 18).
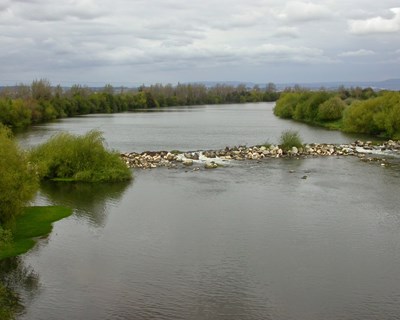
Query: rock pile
(214, 158)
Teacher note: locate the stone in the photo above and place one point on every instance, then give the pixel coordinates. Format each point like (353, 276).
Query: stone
(170, 156)
(187, 162)
(210, 165)
(294, 150)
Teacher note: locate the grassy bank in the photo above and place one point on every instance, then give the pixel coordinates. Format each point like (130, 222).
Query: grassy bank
(33, 223)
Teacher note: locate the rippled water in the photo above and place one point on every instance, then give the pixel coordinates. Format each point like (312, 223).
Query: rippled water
(247, 241)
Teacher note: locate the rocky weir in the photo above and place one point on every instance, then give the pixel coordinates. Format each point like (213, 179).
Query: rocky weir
(211, 159)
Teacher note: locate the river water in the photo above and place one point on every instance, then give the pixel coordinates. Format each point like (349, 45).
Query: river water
(246, 241)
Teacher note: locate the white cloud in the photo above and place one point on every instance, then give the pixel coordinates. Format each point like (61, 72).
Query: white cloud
(297, 11)
(358, 53)
(376, 24)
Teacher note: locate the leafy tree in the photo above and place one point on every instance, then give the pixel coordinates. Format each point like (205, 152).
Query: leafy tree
(331, 109)
(18, 180)
(41, 90)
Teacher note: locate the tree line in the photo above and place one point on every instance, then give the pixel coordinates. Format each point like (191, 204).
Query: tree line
(23, 105)
(350, 110)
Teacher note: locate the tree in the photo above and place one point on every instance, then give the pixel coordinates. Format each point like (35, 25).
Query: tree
(18, 181)
(41, 89)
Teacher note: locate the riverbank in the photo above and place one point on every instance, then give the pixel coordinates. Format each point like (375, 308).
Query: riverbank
(33, 223)
(209, 159)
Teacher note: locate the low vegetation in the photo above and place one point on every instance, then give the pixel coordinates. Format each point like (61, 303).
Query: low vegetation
(290, 139)
(33, 223)
(84, 158)
(357, 111)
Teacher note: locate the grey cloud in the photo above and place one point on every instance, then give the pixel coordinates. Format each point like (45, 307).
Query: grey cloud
(377, 24)
(290, 32)
(88, 38)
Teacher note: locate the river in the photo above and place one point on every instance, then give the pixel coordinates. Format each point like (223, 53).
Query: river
(251, 240)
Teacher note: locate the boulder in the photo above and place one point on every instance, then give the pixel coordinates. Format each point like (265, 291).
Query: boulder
(187, 162)
(210, 165)
(170, 156)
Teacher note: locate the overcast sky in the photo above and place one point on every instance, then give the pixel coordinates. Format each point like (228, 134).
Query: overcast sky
(130, 42)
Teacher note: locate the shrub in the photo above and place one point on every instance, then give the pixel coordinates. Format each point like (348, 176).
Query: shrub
(374, 116)
(289, 139)
(286, 105)
(79, 158)
(18, 182)
(331, 109)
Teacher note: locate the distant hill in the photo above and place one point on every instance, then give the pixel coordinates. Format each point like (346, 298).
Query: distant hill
(391, 84)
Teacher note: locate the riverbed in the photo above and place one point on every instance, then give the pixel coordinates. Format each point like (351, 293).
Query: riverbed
(278, 239)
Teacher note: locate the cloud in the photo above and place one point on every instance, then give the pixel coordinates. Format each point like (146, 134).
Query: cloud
(297, 11)
(138, 38)
(287, 32)
(358, 53)
(42, 10)
(376, 24)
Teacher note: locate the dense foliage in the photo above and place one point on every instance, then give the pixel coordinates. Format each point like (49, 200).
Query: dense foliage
(9, 303)
(78, 158)
(377, 116)
(18, 181)
(23, 105)
(358, 111)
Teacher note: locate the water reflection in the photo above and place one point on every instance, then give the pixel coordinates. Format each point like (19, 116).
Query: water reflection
(21, 280)
(89, 201)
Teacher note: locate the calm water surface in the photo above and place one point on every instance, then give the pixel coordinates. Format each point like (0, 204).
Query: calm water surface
(247, 241)
(186, 128)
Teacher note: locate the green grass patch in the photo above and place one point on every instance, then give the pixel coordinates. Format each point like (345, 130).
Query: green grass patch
(33, 223)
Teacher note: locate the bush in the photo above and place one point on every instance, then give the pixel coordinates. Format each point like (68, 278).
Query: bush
(18, 181)
(378, 116)
(331, 109)
(78, 158)
(286, 105)
(289, 139)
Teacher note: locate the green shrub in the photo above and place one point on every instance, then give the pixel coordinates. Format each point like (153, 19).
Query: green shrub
(286, 105)
(331, 109)
(377, 116)
(18, 181)
(289, 139)
(78, 158)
